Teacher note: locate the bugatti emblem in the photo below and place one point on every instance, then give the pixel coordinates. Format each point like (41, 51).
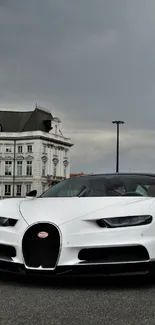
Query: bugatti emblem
(42, 234)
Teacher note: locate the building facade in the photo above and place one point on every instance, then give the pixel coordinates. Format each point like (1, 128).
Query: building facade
(34, 154)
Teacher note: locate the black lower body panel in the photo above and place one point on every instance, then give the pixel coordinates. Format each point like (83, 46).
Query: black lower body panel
(83, 270)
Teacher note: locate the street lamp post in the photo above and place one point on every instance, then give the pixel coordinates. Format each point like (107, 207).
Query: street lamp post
(14, 169)
(117, 146)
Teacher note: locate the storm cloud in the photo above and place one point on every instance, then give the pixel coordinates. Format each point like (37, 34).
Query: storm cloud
(90, 61)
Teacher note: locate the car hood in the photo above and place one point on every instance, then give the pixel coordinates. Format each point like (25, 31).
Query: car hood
(62, 210)
(9, 208)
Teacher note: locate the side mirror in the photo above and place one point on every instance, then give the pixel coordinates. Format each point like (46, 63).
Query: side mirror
(32, 193)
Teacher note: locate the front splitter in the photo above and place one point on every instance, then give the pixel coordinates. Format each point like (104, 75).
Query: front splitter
(83, 270)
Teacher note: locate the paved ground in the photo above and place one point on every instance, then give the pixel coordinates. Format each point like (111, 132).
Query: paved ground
(82, 302)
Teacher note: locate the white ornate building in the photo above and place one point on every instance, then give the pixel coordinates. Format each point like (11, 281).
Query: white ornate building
(34, 154)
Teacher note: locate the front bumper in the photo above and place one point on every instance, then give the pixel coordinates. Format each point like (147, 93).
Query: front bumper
(81, 235)
(129, 269)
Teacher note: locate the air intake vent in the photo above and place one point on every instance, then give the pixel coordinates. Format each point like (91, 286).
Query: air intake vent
(114, 254)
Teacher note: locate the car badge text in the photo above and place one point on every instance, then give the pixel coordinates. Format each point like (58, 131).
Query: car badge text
(42, 234)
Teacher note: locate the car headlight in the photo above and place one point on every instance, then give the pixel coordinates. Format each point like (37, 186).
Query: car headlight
(7, 222)
(128, 221)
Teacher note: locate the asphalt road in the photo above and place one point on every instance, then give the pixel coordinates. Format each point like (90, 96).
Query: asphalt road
(26, 301)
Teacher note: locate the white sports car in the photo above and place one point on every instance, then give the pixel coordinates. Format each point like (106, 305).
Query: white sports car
(101, 224)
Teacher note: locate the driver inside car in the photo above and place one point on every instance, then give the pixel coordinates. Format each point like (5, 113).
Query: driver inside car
(116, 189)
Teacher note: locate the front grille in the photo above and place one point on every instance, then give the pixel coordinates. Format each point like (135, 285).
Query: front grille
(114, 254)
(41, 252)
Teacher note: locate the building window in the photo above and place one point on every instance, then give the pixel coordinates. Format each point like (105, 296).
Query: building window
(44, 168)
(18, 190)
(54, 170)
(56, 129)
(8, 168)
(8, 149)
(19, 168)
(28, 188)
(20, 149)
(29, 168)
(29, 148)
(44, 148)
(8, 190)
(66, 153)
(55, 150)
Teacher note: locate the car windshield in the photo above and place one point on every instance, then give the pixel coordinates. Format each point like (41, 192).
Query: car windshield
(96, 186)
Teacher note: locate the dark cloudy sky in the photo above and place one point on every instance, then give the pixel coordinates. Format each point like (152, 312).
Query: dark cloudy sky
(91, 61)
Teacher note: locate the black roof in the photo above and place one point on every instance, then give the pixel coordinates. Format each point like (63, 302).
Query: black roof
(37, 120)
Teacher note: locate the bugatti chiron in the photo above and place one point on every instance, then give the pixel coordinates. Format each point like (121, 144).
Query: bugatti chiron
(95, 224)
